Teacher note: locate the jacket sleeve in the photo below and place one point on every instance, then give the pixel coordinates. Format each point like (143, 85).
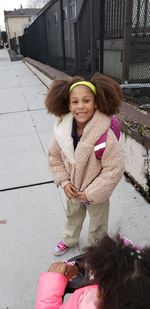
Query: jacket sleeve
(112, 171)
(51, 288)
(56, 164)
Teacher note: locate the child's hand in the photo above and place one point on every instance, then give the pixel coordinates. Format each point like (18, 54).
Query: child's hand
(82, 196)
(58, 267)
(70, 271)
(70, 190)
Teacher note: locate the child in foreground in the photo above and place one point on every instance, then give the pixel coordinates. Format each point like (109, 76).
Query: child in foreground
(83, 113)
(121, 272)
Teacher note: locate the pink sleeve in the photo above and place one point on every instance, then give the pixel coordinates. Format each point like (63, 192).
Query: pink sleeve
(51, 288)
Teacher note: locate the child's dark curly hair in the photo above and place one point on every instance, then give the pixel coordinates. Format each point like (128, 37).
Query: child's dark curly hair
(108, 95)
(121, 272)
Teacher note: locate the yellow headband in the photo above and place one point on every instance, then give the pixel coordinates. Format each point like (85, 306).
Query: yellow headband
(84, 83)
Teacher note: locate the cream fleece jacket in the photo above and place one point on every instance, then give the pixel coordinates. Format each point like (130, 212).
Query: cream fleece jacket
(97, 177)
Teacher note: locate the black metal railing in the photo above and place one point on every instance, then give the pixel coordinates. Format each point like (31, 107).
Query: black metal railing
(110, 36)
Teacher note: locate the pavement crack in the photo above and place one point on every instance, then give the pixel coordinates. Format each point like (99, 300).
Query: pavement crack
(27, 186)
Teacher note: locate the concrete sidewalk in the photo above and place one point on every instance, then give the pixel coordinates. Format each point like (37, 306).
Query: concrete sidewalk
(29, 200)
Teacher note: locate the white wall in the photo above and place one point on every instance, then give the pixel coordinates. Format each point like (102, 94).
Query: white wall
(15, 25)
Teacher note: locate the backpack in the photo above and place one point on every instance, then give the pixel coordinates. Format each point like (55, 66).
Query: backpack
(100, 144)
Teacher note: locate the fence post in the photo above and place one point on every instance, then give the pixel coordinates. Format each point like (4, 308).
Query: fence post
(46, 41)
(62, 35)
(92, 39)
(27, 43)
(127, 32)
(102, 34)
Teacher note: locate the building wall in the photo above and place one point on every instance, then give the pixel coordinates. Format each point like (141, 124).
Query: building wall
(15, 26)
(54, 35)
(54, 32)
(79, 4)
(69, 29)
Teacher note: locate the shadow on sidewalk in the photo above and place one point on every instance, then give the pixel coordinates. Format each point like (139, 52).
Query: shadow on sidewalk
(13, 55)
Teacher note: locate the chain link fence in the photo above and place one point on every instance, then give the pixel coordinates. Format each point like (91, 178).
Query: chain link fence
(127, 47)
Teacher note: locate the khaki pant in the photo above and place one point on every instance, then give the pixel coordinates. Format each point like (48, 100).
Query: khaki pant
(76, 213)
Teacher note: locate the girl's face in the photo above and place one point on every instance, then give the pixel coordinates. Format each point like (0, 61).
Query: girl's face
(82, 104)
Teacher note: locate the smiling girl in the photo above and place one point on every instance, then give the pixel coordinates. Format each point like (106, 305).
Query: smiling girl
(83, 113)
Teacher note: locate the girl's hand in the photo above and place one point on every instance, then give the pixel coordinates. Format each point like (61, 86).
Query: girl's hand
(70, 190)
(69, 271)
(82, 196)
(59, 267)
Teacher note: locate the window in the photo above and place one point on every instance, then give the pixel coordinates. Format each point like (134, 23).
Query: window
(64, 14)
(73, 10)
(55, 19)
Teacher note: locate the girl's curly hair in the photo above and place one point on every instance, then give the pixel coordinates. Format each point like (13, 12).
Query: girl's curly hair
(108, 95)
(121, 272)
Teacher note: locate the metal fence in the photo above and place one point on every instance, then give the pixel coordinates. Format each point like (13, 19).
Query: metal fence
(114, 19)
(110, 36)
(15, 45)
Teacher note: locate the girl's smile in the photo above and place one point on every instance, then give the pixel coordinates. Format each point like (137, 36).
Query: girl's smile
(82, 104)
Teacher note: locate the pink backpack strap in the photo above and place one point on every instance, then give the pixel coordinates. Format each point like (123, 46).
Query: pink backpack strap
(100, 144)
(115, 126)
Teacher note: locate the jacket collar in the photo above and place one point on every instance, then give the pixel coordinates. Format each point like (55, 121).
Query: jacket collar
(62, 132)
(98, 124)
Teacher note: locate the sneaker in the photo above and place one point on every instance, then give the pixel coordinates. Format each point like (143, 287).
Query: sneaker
(60, 248)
